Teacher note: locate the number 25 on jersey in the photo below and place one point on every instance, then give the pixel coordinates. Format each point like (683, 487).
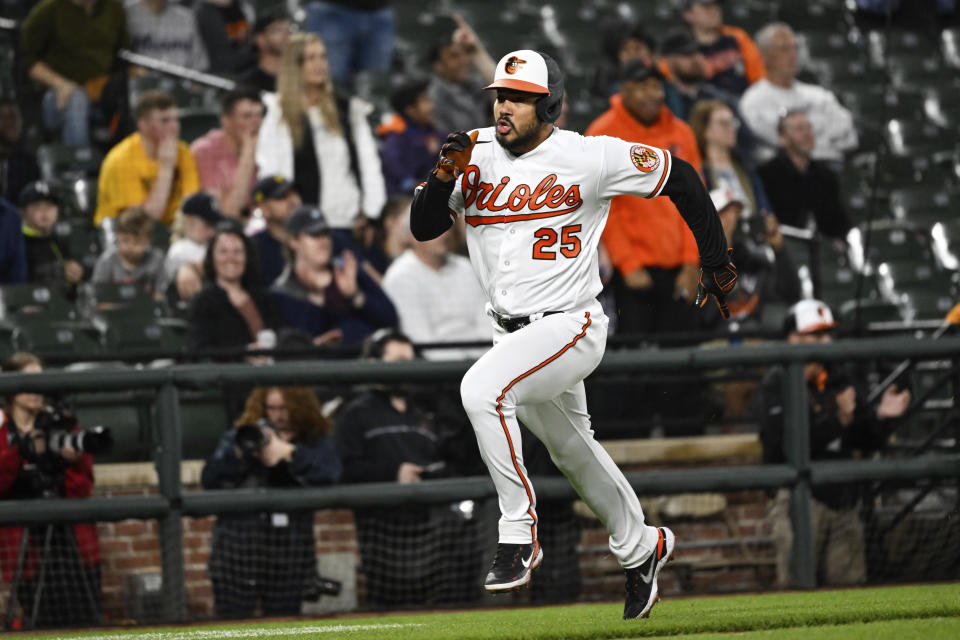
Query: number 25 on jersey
(543, 248)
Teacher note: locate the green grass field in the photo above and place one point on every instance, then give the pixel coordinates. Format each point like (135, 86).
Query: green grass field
(924, 612)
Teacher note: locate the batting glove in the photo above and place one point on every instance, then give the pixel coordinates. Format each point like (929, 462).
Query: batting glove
(717, 282)
(455, 153)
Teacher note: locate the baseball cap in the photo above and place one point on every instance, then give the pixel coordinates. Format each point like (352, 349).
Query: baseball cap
(678, 42)
(521, 70)
(203, 206)
(36, 192)
(309, 220)
(637, 70)
(809, 316)
(271, 188)
(724, 198)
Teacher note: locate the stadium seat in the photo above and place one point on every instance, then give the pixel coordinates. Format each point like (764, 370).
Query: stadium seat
(186, 95)
(916, 71)
(895, 240)
(870, 311)
(906, 138)
(950, 47)
(204, 418)
(57, 338)
(35, 301)
(132, 333)
(197, 121)
(946, 243)
(928, 305)
(879, 104)
(84, 241)
(58, 160)
(924, 204)
(852, 74)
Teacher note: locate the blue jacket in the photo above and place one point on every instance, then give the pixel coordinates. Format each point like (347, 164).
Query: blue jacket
(409, 154)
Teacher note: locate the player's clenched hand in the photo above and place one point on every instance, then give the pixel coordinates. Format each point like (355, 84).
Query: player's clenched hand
(455, 154)
(717, 282)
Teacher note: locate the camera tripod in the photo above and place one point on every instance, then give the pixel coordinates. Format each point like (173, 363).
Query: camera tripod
(46, 558)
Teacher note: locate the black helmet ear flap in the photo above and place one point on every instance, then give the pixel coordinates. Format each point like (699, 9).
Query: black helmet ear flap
(549, 107)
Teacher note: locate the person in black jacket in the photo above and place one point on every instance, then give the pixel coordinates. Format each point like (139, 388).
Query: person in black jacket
(413, 554)
(804, 192)
(842, 426)
(231, 310)
(280, 441)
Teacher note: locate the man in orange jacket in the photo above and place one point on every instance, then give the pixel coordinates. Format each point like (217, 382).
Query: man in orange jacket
(651, 247)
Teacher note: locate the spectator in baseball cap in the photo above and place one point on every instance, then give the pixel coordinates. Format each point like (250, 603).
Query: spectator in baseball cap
(199, 214)
(48, 259)
(328, 296)
(276, 197)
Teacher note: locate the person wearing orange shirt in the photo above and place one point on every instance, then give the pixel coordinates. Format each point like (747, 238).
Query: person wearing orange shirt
(651, 247)
(732, 59)
(151, 168)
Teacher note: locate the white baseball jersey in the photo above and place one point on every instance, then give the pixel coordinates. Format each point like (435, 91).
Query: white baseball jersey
(534, 221)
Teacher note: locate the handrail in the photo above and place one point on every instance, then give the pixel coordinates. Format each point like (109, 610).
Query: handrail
(177, 70)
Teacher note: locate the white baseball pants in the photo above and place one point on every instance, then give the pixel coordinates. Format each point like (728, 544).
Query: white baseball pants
(536, 374)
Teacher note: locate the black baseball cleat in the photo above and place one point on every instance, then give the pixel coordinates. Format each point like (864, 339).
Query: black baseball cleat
(642, 591)
(512, 566)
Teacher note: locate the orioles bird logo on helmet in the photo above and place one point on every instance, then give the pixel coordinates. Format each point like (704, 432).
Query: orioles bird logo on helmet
(513, 64)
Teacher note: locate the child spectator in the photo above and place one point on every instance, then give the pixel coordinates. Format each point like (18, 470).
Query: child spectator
(410, 139)
(132, 260)
(184, 262)
(733, 60)
(225, 156)
(165, 30)
(151, 169)
(48, 260)
(224, 26)
(277, 198)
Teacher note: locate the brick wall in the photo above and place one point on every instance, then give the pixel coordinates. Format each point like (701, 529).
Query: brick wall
(132, 547)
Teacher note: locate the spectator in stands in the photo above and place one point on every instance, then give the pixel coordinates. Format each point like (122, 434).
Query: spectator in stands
(151, 168)
(18, 166)
(803, 191)
(277, 198)
(461, 69)
(70, 556)
(384, 435)
(183, 265)
(766, 100)
(13, 253)
(132, 259)
(232, 310)
(328, 296)
(48, 260)
(620, 42)
(281, 440)
(842, 426)
(770, 274)
(653, 251)
(438, 298)
(226, 156)
(271, 30)
(319, 138)
(358, 35)
(166, 31)
(410, 139)
(684, 67)
(70, 47)
(224, 26)
(715, 127)
(733, 60)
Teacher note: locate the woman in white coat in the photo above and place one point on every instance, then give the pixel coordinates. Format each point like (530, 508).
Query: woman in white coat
(321, 140)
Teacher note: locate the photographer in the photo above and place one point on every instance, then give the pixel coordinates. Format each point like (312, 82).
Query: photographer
(279, 441)
(30, 469)
(842, 426)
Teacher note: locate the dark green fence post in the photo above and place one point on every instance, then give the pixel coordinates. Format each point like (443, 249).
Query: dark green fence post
(170, 526)
(803, 561)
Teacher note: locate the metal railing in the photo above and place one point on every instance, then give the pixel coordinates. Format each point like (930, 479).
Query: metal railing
(172, 504)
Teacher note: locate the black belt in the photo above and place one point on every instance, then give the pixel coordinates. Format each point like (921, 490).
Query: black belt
(511, 324)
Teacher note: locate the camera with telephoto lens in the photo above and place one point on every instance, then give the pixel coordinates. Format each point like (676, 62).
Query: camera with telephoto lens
(250, 438)
(318, 585)
(59, 427)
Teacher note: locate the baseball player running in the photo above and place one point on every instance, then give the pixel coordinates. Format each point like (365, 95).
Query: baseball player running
(535, 199)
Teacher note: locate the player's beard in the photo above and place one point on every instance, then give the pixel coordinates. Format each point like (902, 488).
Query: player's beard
(523, 139)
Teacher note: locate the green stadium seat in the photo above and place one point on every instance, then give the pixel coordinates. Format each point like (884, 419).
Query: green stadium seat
(34, 301)
(197, 121)
(125, 333)
(56, 160)
(131, 299)
(57, 338)
(923, 204)
(811, 16)
(928, 305)
(906, 138)
(895, 241)
(916, 70)
(870, 311)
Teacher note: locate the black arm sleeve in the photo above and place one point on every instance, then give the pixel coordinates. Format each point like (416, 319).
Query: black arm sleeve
(429, 214)
(693, 202)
